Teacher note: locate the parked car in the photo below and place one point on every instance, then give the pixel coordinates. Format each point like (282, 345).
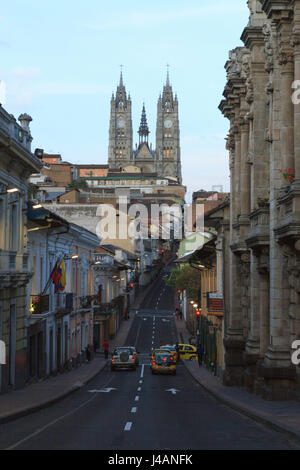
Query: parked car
(123, 358)
(162, 362)
(188, 352)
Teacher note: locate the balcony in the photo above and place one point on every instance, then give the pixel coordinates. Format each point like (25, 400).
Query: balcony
(64, 303)
(13, 269)
(39, 304)
(103, 310)
(85, 302)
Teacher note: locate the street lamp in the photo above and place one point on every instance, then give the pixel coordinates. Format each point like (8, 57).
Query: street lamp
(10, 191)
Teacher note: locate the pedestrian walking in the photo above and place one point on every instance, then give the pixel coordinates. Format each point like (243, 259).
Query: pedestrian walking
(126, 314)
(106, 348)
(200, 354)
(180, 315)
(178, 351)
(177, 313)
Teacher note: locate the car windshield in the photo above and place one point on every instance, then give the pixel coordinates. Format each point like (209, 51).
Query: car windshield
(122, 350)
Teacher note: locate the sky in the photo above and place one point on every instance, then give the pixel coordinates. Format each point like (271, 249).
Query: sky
(60, 63)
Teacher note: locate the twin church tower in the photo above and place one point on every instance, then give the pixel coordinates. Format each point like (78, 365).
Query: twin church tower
(165, 159)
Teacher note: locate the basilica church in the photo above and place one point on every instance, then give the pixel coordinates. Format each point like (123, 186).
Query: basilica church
(164, 161)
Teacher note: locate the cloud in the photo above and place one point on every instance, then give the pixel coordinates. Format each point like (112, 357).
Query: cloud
(58, 88)
(26, 73)
(136, 19)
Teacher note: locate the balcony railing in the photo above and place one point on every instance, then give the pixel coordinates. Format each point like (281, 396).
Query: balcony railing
(64, 302)
(103, 309)
(39, 304)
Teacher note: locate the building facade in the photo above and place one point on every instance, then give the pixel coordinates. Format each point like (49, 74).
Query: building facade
(165, 160)
(59, 324)
(264, 147)
(16, 164)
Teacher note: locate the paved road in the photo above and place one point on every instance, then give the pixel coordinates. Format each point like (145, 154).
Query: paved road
(137, 411)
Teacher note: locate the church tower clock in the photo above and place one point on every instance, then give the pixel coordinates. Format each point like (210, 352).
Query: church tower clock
(168, 135)
(120, 147)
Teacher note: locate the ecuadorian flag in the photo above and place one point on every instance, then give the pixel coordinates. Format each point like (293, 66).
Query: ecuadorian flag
(58, 276)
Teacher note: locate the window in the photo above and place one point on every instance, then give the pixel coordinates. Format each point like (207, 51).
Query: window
(14, 227)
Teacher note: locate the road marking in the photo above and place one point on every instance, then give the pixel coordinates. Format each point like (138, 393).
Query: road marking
(140, 381)
(103, 390)
(36, 433)
(128, 426)
(173, 390)
(137, 398)
(133, 410)
(139, 389)
(142, 371)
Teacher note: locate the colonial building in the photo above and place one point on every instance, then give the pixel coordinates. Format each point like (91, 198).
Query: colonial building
(264, 146)
(165, 160)
(16, 164)
(59, 324)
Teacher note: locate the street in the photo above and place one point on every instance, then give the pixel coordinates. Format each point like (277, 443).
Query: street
(133, 410)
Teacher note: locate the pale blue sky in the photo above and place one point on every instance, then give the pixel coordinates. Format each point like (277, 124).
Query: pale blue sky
(60, 62)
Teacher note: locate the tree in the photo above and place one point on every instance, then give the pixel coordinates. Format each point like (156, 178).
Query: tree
(185, 278)
(32, 190)
(78, 184)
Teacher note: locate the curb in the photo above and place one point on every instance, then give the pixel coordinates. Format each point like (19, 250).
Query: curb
(249, 413)
(61, 396)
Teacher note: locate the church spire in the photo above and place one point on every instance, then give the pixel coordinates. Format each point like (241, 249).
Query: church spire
(168, 76)
(144, 129)
(121, 96)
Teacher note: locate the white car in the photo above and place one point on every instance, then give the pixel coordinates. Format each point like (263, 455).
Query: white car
(123, 358)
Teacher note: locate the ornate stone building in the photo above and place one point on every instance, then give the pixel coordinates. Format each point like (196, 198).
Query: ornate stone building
(264, 143)
(165, 160)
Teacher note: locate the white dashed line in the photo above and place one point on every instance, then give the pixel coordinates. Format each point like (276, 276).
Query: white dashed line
(133, 410)
(137, 398)
(128, 426)
(142, 371)
(141, 382)
(139, 389)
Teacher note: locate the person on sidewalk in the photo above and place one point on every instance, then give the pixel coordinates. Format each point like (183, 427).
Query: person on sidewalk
(177, 313)
(178, 351)
(200, 354)
(106, 348)
(180, 315)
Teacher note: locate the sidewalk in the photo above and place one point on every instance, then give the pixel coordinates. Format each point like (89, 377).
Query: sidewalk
(282, 416)
(43, 394)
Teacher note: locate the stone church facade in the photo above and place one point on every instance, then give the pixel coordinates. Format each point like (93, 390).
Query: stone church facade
(165, 160)
(264, 148)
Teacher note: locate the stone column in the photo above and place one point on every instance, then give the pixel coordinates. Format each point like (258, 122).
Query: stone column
(237, 172)
(253, 343)
(245, 170)
(286, 104)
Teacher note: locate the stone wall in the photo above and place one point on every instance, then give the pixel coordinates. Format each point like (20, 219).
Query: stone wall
(263, 142)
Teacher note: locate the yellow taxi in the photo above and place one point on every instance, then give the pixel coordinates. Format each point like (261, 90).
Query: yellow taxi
(188, 352)
(162, 362)
(171, 349)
